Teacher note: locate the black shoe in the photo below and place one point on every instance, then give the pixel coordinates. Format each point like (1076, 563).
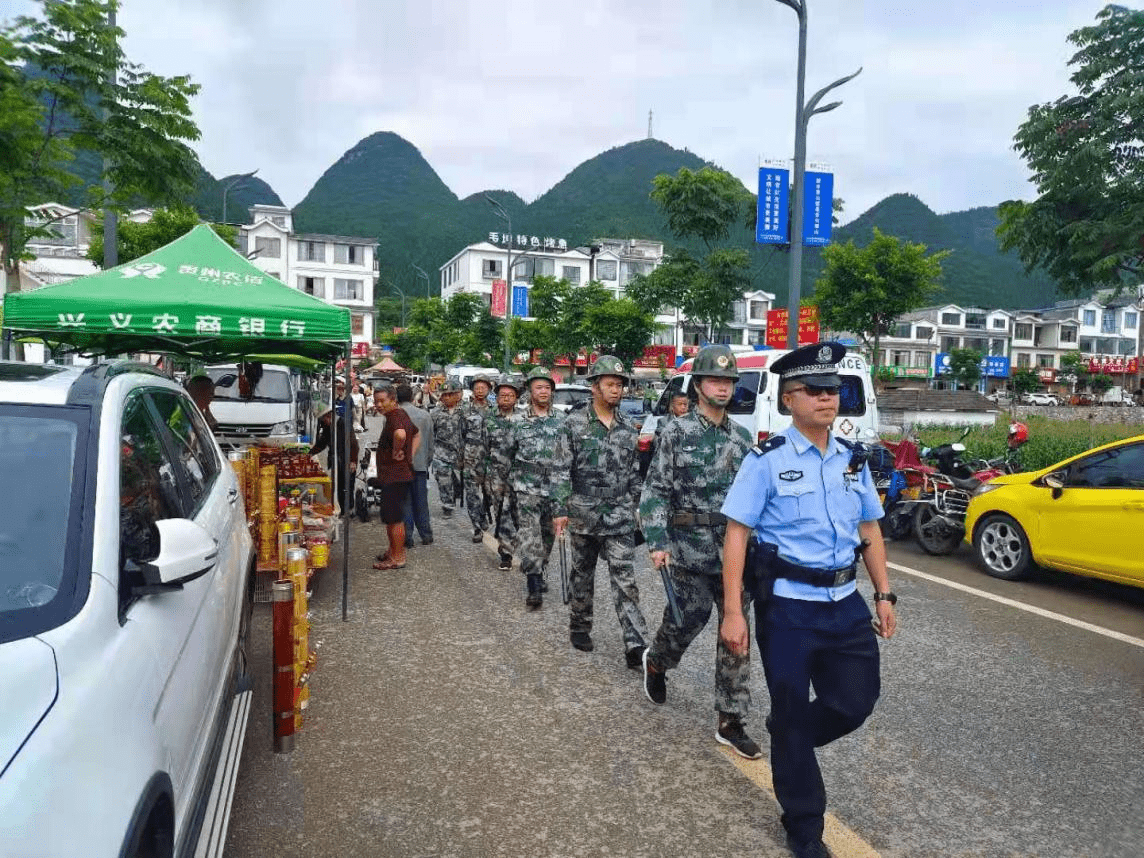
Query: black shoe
(730, 732)
(428, 541)
(505, 562)
(409, 544)
(634, 657)
(808, 849)
(582, 641)
(654, 682)
(534, 599)
(478, 534)
(447, 511)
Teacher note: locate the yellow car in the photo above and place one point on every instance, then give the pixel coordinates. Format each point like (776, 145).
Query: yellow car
(1084, 515)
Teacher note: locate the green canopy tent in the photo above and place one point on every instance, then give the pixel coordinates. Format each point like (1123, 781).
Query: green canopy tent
(196, 297)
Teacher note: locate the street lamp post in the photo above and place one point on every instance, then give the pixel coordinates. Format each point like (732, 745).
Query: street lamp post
(504, 215)
(402, 294)
(802, 115)
(226, 190)
(421, 273)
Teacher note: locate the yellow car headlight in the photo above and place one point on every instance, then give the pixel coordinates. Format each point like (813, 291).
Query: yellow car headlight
(984, 488)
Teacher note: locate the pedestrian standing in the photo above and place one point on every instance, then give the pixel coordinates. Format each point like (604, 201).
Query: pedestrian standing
(447, 439)
(498, 433)
(395, 450)
(603, 508)
(694, 464)
(202, 388)
(540, 462)
(473, 416)
(359, 401)
(342, 475)
(813, 506)
(416, 508)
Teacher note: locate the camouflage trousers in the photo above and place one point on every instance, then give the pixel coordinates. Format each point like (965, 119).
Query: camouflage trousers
(475, 498)
(505, 519)
(617, 550)
(534, 535)
(447, 479)
(696, 594)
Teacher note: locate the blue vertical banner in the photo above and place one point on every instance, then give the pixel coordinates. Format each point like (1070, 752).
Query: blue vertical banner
(774, 202)
(519, 300)
(818, 209)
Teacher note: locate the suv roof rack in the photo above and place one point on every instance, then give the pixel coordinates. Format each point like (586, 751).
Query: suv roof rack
(89, 387)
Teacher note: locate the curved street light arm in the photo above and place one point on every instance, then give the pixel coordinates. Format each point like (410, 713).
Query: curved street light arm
(811, 105)
(799, 6)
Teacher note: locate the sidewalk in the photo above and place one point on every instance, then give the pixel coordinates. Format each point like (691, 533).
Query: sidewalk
(446, 720)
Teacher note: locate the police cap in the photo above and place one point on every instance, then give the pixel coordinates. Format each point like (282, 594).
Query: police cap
(815, 364)
(715, 362)
(608, 365)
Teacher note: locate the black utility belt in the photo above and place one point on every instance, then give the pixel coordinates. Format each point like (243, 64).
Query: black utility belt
(698, 519)
(599, 492)
(815, 577)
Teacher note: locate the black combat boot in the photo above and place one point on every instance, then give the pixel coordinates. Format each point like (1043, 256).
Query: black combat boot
(535, 599)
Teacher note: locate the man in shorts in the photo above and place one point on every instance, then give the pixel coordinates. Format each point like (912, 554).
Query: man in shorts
(395, 448)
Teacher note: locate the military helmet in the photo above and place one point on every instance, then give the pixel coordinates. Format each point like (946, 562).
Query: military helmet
(505, 380)
(715, 362)
(451, 387)
(608, 365)
(480, 377)
(540, 372)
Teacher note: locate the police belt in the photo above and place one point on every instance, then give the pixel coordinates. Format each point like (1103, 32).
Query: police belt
(780, 568)
(698, 519)
(600, 492)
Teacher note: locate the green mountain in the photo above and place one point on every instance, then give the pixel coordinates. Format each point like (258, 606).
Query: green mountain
(384, 187)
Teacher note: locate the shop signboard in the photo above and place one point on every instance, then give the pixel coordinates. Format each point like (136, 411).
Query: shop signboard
(499, 298)
(1046, 374)
(361, 349)
(992, 366)
(910, 371)
(1109, 365)
(808, 329)
(653, 355)
(818, 209)
(774, 201)
(519, 299)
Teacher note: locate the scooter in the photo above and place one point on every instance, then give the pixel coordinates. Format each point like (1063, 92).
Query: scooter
(939, 517)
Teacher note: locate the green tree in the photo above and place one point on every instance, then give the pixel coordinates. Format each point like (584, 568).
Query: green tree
(67, 89)
(1074, 370)
(965, 367)
(1086, 225)
(136, 239)
(865, 289)
(1101, 384)
(620, 327)
(1024, 381)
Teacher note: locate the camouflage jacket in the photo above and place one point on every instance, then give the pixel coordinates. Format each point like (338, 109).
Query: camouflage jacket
(447, 436)
(473, 417)
(694, 465)
(540, 460)
(605, 473)
(498, 436)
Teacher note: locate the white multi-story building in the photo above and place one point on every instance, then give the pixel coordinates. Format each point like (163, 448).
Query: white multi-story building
(339, 269)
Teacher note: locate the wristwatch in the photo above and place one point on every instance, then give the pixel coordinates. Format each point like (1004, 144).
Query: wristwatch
(886, 597)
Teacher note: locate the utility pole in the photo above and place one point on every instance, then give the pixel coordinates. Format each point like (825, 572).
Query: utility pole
(110, 223)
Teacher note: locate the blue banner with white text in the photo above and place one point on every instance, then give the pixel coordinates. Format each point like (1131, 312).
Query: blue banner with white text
(519, 300)
(774, 200)
(818, 209)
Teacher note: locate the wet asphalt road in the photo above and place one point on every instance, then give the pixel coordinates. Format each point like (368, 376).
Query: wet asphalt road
(446, 720)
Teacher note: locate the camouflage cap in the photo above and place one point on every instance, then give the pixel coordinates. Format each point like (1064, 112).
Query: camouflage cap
(505, 381)
(608, 365)
(451, 387)
(479, 377)
(715, 362)
(540, 372)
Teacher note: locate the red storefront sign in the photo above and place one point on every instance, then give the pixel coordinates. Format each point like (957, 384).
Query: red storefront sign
(653, 355)
(1047, 374)
(1113, 365)
(808, 330)
(361, 349)
(499, 298)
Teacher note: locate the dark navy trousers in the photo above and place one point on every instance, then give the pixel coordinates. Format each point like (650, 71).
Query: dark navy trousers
(417, 508)
(831, 646)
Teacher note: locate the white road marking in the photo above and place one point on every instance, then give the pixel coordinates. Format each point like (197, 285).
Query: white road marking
(1021, 606)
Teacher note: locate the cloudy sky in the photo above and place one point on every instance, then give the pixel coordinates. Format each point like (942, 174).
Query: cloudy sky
(515, 94)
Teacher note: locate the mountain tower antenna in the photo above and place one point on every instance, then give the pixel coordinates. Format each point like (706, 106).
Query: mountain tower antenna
(649, 137)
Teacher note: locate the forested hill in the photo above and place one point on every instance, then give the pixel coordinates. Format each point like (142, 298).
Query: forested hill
(383, 187)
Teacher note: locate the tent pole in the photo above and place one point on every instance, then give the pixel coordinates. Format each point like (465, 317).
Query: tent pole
(349, 427)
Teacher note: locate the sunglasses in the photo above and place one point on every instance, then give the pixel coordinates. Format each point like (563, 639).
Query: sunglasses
(815, 390)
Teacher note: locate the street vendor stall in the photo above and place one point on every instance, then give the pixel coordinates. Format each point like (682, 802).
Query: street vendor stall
(199, 298)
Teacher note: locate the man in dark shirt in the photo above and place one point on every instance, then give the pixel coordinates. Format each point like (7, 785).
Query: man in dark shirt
(343, 476)
(395, 448)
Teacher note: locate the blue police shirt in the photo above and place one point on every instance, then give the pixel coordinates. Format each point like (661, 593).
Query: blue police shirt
(805, 503)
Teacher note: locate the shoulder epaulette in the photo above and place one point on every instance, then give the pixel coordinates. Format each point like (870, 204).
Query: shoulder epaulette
(772, 443)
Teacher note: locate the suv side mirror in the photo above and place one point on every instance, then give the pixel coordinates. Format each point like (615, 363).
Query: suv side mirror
(186, 552)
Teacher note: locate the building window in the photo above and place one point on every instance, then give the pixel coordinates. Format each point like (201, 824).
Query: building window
(1129, 320)
(902, 331)
(1044, 361)
(268, 247)
(975, 321)
(1023, 331)
(315, 286)
(312, 251)
(923, 332)
(357, 324)
(1108, 322)
(1023, 360)
(571, 273)
(948, 344)
(1068, 335)
(349, 254)
(976, 343)
(1000, 323)
(545, 267)
(278, 220)
(758, 311)
(1089, 318)
(606, 269)
(348, 290)
(899, 358)
(1127, 347)
(922, 359)
(491, 269)
(522, 270)
(1088, 345)
(997, 348)
(953, 319)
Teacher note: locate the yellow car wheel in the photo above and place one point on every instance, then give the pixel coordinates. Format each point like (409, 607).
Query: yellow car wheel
(1002, 547)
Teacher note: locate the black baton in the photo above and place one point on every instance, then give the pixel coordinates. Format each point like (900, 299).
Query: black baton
(672, 599)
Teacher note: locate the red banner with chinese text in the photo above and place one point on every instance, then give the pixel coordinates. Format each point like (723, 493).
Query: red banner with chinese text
(1113, 365)
(652, 355)
(499, 298)
(808, 330)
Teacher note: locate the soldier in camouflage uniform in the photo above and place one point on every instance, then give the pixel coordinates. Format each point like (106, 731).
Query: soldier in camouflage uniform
(602, 508)
(693, 467)
(538, 453)
(498, 432)
(447, 439)
(473, 414)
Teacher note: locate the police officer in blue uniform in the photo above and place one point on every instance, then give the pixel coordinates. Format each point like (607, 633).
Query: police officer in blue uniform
(810, 501)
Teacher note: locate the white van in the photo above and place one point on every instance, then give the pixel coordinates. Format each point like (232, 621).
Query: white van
(277, 410)
(757, 405)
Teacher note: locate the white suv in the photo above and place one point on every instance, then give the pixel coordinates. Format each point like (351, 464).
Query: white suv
(1040, 398)
(125, 589)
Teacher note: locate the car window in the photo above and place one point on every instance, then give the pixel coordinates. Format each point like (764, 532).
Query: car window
(148, 488)
(259, 385)
(664, 403)
(192, 443)
(1118, 468)
(747, 390)
(851, 398)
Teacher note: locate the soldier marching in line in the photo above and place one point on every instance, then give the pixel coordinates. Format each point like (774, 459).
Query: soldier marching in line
(473, 415)
(447, 441)
(540, 461)
(694, 465)
(602, 508)
(498, 434)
